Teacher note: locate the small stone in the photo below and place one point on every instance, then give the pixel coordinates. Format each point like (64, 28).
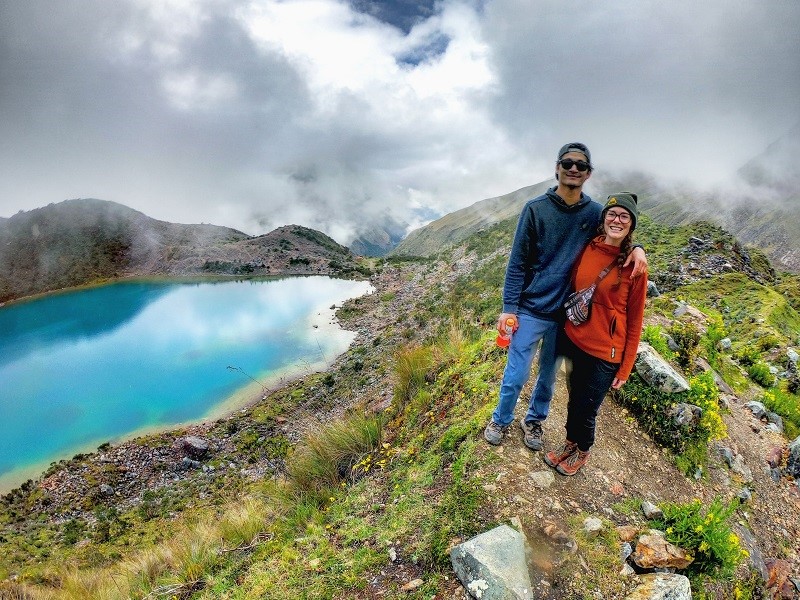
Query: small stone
(625, 551)
(592, 526)
(775, 457)
(412, 585)
(627, 532)
(543, 479)
(651, 511)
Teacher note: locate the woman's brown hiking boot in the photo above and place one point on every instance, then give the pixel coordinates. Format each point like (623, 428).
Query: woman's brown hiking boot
(571, 464)
(554, 457)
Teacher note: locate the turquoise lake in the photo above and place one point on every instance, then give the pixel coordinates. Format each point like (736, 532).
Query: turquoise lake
(81, 368)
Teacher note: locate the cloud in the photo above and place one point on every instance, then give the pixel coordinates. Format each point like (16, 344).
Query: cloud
(683, 89)
(255, 114)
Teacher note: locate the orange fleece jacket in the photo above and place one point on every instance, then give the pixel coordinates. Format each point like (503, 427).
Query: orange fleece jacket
(615, 325)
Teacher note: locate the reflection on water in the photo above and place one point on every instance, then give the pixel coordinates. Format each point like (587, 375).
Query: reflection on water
(25, 326)
(81, 368)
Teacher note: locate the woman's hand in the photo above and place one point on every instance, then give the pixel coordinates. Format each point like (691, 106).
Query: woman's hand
(618, 383)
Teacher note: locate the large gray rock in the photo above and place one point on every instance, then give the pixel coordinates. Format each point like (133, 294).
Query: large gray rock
(662, 586)
(494, 565)
(657, 372)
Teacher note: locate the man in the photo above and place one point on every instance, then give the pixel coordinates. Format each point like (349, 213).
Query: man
(552, 231)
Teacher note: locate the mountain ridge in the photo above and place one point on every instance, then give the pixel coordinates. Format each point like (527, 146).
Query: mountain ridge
(76, 242)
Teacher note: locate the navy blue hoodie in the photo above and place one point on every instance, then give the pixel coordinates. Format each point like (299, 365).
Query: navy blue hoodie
(550, 235)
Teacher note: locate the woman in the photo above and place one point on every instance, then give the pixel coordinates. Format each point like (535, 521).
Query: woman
(601, 351)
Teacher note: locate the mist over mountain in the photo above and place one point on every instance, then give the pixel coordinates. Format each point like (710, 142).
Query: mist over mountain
(379, 238)
(761, 207)
(82, 241)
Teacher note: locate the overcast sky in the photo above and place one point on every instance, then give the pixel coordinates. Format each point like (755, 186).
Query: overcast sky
(256, 114)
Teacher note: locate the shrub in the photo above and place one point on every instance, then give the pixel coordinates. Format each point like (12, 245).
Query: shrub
(748, 355)
(651, 408)
(768, 341)
(715, 333)
(653, 335)
(687, 336)
(326, 455)
(760, 373)
(73, 531)
(787, 406)
(705, 533)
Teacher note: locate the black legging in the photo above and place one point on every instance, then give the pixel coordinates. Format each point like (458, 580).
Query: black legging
(588, 382)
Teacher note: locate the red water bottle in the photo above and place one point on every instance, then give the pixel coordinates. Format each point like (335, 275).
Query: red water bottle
(504, 338)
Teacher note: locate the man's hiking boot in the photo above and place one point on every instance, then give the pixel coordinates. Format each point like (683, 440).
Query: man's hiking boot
(532, 431)
(554, 457)
(494, 433)
(570, 465)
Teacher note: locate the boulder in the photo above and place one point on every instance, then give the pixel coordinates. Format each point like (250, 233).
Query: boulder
(657, 372)
(653, 551)
(195, 447)
(757, 408)
(494, 565)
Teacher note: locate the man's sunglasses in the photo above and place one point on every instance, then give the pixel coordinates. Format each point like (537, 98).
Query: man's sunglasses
(568, 163)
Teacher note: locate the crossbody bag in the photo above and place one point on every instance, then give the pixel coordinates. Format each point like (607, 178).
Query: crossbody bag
(579, 303)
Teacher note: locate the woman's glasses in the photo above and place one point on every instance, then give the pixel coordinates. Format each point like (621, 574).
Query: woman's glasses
(568, 163)
(622, 217)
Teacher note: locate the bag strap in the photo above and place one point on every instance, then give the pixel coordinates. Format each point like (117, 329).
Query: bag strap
(600, 277)
(604, 272)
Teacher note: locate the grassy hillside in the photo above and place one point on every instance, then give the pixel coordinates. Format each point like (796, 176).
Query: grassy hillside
(457, 226)
(355, 483)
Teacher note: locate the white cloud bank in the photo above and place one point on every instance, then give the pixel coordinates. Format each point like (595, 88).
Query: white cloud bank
(262, 113)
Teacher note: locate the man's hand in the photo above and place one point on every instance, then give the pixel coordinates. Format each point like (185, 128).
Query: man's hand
(618, 383)
(639, 259)
(501, 322)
